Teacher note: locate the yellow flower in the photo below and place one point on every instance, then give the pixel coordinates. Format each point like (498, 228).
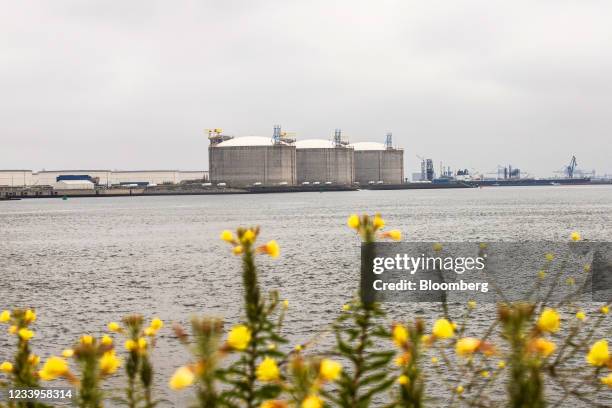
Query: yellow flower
(330, 370)
(400, 335)
(542, 274)
(501, 364)
(312, 401)
(238, 250)
(542, 347)
(403, 380)
(142, 343)
(604, 309)
(12, 329)
(149, 332)
(549, 257)
(378, 222)
(298, 348)
(471, 304)
(353, 221)
(29, 316)
(607, 380)
(6, 367)
(549, 321)
(68, 353)
(25, 334)
(131, 345)
(106, 340)
(182, 377)
(395, 235)
(109, 363)
(434, 360)
(114, 327)
(598, 354)
(575, 236)
(156, 323)
(227, 236)
(402, 360)
(239, 337)
(267, 370)
(285, 303)
(467, 346)
(273, 404)
(580, 315)
(53, 368)
(248, 237)
(459, 389)
(346, 307)
(271, 248)
(33, 359)
(87, 340)
(443, 329)
(587, 267)
(485, 374)
(5, 316)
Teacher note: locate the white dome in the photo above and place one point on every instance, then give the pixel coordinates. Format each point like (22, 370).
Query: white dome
(247, 141)
(368, 146)
(314, 144)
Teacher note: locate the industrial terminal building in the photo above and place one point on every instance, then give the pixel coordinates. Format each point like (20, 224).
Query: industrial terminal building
(324, 161)
(107, 178)
(252, 160)
(378, 163)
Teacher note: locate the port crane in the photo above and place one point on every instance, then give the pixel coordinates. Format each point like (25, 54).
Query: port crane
(571, 167)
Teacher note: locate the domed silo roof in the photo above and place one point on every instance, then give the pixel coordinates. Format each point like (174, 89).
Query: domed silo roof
(314, 144)
(247, 141)
(359, 146)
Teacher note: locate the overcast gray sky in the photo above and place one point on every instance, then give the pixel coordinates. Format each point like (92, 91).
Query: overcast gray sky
(132, 84)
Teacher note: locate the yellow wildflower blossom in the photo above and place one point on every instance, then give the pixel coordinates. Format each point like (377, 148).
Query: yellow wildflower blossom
(238, 250)
(549, 257)
(402, 360)
(67, 353)
(267, 370)
(5, 316)
(607, 380)
(501, 364)
(29, 316)
(471, 304)
(25, 334)
(87, 340)
(248, 237)
(580, 315)
(6, 367)
(312, 401)
(599, 354)
(542, 347)
(353, 221)
(33, 359)
(549, 321)
(403, 380)
(604, 309)
(109, 363)
(467, 346)
(400, 335)
(443, 329)
(575, 236)
(346, 307)
(53, 368)
(12, 329)
(239, 337)
(378, 222)
(395, 235)
(485, 374)
(183, 377)
(227, 236)
(330, 370)
(434, 360)
(459, 389)
(271, 248)
(114, 327)
(156, 323)
(106, 340)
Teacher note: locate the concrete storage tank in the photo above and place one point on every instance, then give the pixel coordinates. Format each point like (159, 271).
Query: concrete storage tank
(250, 160)
(376, 162)
(323, 161)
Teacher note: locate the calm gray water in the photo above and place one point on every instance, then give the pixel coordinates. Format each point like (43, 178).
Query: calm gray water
(84, 262)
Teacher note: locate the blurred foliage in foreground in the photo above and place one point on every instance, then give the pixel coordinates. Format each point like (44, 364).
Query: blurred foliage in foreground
(526, 348)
